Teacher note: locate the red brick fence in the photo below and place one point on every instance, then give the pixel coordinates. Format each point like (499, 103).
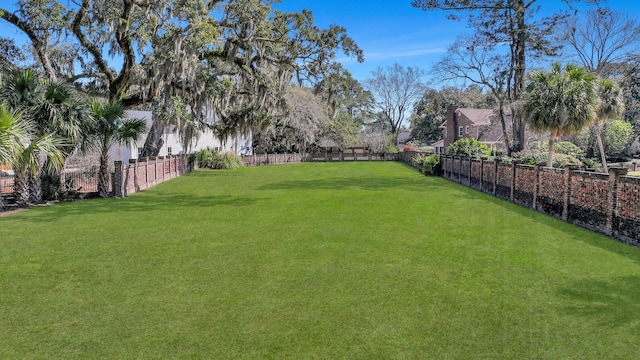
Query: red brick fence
(139, 175)
(606, 203)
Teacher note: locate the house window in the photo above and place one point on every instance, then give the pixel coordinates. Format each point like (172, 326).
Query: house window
(460, 129)
(466, 130)
(139, 152)
(169, 151)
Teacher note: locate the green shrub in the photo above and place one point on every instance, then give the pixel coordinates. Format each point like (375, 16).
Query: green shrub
(432, 166)
(592, 163)
(206, 157)
(227, 160)
(391, 149)
(532, 157)
(211, 159)
(429, 165)
(468, 147)
(567, 148)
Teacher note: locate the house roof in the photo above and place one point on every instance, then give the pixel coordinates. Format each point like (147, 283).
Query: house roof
(325, 142)
(476, 116)
(438, 144)
(493, 133)
(404, 136)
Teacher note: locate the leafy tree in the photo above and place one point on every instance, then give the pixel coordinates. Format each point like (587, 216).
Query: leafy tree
(506, 34)
(561, 101)
(629, 79)
(10, 55)
(192, 49)
(395, 90)
(111, 128)
(616, 136)
(349, 106)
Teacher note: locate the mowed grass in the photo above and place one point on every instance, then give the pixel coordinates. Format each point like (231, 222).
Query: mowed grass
(326, 261)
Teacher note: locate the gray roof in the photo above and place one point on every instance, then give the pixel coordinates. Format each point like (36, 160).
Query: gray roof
(477, 116)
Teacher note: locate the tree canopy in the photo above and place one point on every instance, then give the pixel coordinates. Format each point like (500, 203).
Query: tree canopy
(506, 35)
(234, 59)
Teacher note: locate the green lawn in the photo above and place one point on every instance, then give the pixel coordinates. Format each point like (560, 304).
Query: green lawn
(323, 260)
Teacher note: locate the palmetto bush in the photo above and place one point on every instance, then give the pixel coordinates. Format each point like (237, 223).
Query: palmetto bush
(212, 159)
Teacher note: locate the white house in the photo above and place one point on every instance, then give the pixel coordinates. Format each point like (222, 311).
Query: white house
(172, 144)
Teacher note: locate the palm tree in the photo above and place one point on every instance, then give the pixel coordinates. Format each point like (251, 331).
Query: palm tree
(111, 128)
(22, 150)
(611, 106)
(54, 109)
(27, 165)
(561, 101)
(13, 134)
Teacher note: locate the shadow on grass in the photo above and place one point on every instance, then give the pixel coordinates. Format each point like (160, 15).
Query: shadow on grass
(574, 232)
(371, 183)
(611, 304)
(144, 203)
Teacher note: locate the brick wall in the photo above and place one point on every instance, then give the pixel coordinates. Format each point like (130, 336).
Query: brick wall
(504, 181)
(525, 185)
(476, 174)
(550, 191)
(626, 220)
(606, 203)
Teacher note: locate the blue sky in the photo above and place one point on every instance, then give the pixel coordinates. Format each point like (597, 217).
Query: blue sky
(388, 31)
(392, 31)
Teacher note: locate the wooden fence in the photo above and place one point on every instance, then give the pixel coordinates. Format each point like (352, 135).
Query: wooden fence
(278, 159)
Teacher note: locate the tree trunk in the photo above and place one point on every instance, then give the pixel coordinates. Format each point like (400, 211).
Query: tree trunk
(552, 140)
(603, 156)
(519, 63)
(21, 187)
(35, 184)
(505, 133)
(154, 141)
(1, 198)
(103, 176)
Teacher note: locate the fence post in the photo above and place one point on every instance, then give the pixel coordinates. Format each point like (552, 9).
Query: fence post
(567, 189)
(117, 179)
(481, 177)
(513, 180)
(612, 199)
(495, 177)
(536, 185)
(470, 170)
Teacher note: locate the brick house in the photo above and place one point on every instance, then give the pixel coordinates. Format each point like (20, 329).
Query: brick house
(479, 124)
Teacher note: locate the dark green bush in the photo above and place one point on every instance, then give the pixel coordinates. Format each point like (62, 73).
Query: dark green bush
(432, 165)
